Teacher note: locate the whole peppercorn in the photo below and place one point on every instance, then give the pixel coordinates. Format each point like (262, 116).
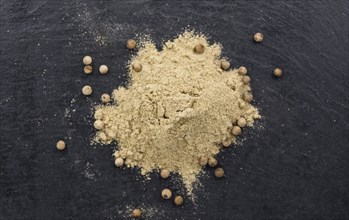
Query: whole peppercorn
(278, 72)
(165, 173)
(258, 37)
(98, 124)
(87, 90)
(131, 44)
(103, 69)
(226, 143)
(166, 193)
(178, 200)
(105, 98)
(199, 48)
(236, 130)
(60, 145)
(241, 122)
(98, 114)
(219, 172)
(87, 60)
(248, 97)
(136, 213)
(242, 70)
(225, 64)
(88, 69)
(102, 136)
(203, 161)
(246, 80)
(137, 66)
(212, 162)
(119, 162)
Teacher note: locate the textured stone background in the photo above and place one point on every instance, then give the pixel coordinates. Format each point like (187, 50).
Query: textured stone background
(293, 165)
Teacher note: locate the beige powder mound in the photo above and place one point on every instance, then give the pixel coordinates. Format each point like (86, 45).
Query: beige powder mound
(179, 108)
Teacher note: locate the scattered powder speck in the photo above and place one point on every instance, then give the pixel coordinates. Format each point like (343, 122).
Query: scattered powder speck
(90, 172)
(6, 100)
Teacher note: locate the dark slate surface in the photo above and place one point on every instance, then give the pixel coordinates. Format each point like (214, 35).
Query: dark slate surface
(294, 168)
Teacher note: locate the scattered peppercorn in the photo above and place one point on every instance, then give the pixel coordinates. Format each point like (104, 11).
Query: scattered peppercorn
(225, 64)
(258, 37)
(178, 200)
(60, 145)
(212, 162)
(226, 143)
(236, 130)
(246, 80)
(247, 97)
(278, 72)
(136, 213)
(103, 69)
(241, 122)
(203, 161)
(166, 193)
(87, 90)
(87, 60)
(105, 98)
(199, 48)
(219, 172)
(165, 173)
(98, 124)
(131, 44)
(119, 162)
(242, 70)
(137, 66)
(88, 69)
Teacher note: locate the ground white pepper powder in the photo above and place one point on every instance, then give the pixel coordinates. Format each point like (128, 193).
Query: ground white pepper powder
(177, 110)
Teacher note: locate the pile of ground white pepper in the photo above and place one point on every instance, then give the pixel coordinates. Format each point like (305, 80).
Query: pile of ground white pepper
(182, 105)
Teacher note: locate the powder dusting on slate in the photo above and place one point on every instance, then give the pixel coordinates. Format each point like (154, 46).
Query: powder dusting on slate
(148, 211)
(179, 108)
